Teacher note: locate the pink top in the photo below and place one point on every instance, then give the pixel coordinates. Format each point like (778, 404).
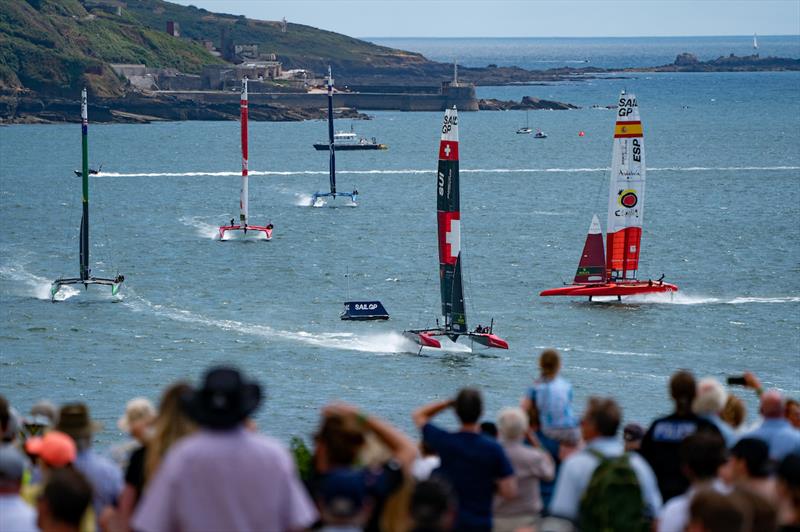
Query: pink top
(225, 480)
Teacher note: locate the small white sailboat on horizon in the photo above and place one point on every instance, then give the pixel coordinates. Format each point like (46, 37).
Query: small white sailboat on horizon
(527, 129)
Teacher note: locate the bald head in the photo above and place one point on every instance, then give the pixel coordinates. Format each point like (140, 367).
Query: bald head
(772, 404)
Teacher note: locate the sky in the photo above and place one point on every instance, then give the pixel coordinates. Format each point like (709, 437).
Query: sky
(525, 18)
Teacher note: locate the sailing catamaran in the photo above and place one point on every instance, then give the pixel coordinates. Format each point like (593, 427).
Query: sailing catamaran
(318, 199)
(449, 222)
(243, 230)
(86, 277)
(615, 274)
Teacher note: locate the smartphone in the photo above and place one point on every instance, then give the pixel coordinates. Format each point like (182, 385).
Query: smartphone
(738, 380)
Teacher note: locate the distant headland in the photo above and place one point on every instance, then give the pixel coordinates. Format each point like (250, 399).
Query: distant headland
(154, 60)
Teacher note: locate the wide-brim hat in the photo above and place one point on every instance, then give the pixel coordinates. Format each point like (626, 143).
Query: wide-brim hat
(225, 399)
(73, 419)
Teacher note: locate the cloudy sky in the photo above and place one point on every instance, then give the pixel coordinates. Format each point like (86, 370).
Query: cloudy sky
(525, 18)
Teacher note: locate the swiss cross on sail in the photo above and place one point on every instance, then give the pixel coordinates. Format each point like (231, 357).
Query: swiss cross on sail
(449, 224)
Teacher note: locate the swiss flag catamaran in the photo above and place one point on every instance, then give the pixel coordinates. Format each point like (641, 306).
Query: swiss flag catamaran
(243, 230)
(612, 272)
(86, 278)
(449, 221)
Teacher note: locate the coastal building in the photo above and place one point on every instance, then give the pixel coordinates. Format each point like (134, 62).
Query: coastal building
(173, 28)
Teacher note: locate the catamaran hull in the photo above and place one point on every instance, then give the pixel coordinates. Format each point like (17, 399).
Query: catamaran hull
(351, 147)
(59, 283)
(612, 289)
(427, 338)
(237, 232)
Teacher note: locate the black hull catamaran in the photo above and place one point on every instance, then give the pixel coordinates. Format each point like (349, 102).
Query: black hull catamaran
(454, 324)
(86, 278)
(319, 199)
(243, 230)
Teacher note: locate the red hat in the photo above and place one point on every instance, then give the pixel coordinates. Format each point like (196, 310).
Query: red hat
(55, 448)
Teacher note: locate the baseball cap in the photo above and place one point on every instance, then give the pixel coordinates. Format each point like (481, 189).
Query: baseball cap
(342, 492)
(633, 432)
(55, 448)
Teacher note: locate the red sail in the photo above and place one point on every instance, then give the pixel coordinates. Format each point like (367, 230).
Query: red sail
(592, 266)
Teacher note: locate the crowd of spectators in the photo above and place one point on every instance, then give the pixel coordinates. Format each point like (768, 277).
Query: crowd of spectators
(198, 462)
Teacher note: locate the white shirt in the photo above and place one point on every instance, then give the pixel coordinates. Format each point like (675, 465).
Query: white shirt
(675, 514)
(576, 472)
(16, 515)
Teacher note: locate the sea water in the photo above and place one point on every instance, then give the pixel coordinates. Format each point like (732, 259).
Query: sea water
(722, 221)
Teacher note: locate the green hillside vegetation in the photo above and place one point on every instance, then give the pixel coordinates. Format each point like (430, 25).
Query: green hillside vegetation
(56, 46)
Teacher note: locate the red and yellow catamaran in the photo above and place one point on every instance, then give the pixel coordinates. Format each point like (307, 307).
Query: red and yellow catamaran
(613, 271)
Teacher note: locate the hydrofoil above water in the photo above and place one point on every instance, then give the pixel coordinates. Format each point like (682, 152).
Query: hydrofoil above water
(448, 207)
(243, 230)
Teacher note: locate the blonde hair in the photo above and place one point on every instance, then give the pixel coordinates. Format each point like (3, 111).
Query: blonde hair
(512, 422)
(549, 363)
(734, 411)
(170, 425)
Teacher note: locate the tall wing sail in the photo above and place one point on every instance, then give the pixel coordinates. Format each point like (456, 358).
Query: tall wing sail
(449, 221)
(84, 245)
(331, 148)
(626, 194)
(243, 195)
(592, 266)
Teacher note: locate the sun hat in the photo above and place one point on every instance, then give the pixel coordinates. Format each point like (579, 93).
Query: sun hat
(12, 464)
(225, 399)
(137, 409)
(56, 449)
(74, 420)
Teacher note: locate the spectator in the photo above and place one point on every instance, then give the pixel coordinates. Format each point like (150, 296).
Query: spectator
(342, 437)
(530, 464)
(793, 413)
(631, 478)
(711, 511)
(781, 437)
(760, 514)
(433, 506)
(551, 446)
(138, 422)
(9, 422)
(64, 501)
(104, 476)
(788, 489)
(552, 394)
(734, 413)
(702, 453)
(709, 403)
(170, 425)
(749, 467)
(224, 477)
(488, 428)
(661, 444)
(43, 415)
(474, 465)
(15, 514)
(632, 434)
(425, 463)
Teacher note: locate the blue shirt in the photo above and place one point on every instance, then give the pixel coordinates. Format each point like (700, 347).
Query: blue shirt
(781, 437)
(576, 472)
(104, 476)
(553, 398)
(472, 463)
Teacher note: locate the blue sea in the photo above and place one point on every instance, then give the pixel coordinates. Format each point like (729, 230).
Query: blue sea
(722, 221)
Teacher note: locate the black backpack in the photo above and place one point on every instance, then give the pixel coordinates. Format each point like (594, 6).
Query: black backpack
(612, 501)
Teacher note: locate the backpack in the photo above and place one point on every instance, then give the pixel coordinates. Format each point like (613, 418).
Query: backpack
(612, 501)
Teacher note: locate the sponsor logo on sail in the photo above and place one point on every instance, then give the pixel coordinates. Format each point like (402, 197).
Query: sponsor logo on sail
(628, 198)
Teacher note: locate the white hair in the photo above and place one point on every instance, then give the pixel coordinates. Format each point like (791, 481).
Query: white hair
(512, 422)
(710, 398)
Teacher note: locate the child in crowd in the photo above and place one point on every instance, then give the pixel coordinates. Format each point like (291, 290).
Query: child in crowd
(552, 395)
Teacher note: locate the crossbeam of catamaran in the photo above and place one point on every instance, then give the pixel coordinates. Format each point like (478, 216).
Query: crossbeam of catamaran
(613, 271)
(85, 278)
(454, 325)
(319, 199)
(243, 230)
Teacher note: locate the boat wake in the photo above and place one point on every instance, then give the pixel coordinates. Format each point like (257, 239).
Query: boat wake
(203, 229)
(679, 298)
(426, 171)
(35, 286)
(379, 342)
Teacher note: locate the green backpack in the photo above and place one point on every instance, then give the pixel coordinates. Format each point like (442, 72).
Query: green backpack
(612, 501)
